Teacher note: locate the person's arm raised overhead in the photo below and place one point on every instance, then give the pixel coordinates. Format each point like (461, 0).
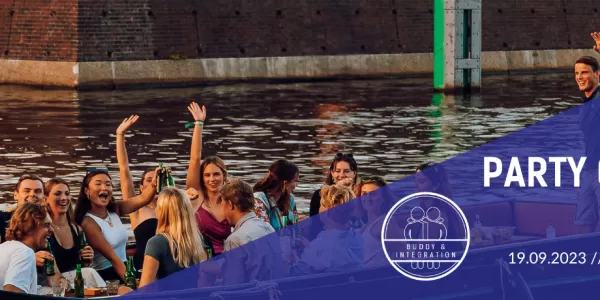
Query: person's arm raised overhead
(596, 37)
(193, 175)
(137, 202)
(125, 175)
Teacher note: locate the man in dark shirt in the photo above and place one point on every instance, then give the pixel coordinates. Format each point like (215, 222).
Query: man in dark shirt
(587, 76)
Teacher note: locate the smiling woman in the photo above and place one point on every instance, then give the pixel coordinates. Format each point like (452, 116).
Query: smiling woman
(99, 215)
(28, 231)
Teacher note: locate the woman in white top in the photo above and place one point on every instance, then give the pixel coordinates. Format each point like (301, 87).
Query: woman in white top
(99, 215)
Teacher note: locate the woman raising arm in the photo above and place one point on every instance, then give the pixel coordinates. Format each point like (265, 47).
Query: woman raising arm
(99, 215)
(143, 221)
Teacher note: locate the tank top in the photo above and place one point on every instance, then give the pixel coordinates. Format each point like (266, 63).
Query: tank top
(66, 259)
(143, 232)
(216, 232)
(116, 236)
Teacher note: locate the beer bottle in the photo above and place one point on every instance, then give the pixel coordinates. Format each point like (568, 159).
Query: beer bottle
(83, 243)
(170, 179)
(49, 264)
(130, 281)
(208, 247)
(79, 284)
(159, 179)
(133, 270)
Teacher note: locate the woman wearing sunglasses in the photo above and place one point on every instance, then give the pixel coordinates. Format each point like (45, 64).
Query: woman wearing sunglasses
(342, 171)
(99, 214)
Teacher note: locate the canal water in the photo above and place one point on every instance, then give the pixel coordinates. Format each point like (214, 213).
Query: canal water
(389, 125)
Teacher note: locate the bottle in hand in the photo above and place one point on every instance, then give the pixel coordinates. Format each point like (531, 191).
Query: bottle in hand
(83, 243)
(49, 264)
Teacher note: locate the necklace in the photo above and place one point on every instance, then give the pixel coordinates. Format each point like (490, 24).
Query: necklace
(109, 221)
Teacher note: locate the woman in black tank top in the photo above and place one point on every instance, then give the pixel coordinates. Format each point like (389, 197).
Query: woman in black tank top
(143, 232)
(59, 203)
(143, 221)
(66, 258)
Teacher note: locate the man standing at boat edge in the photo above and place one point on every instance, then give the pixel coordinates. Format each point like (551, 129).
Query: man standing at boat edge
(587, 77)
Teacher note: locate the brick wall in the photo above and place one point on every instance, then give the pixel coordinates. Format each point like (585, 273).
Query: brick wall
(539, 24)
(38, 30)
(100, 30)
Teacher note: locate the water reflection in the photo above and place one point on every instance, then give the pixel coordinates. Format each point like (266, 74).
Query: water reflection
(390, 125)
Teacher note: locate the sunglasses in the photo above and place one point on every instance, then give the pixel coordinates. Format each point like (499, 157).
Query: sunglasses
(372, 178)
(96, 171)
(341, 155)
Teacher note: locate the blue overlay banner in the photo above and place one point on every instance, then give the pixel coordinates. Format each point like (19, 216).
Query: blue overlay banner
(512, 219)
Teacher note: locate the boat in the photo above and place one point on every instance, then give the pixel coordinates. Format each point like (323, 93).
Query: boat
(486, 273)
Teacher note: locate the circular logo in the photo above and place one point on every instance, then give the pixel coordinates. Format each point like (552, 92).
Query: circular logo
(425, 236)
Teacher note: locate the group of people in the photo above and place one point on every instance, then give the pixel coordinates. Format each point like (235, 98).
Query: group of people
(178, 227)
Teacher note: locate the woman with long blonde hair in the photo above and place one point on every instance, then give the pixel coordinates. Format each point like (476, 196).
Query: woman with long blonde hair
(177, 244)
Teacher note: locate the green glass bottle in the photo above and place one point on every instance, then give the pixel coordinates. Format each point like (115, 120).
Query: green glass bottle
(208, 246)
(79, 284)
(49, 264)
(130, 281)
(133, 270)
(82, 244)
(159, 179)
(170, 179)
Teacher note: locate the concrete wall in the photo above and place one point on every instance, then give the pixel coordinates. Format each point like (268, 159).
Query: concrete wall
(120, 42)
(112, 74)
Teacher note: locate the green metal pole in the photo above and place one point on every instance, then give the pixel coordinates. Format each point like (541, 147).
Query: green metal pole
(465, 49)
(438, 45)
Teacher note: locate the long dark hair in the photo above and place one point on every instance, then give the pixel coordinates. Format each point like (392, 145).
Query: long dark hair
(349, 158)
(279, 171)
(144, 175)
(437, 175)
(84, 204)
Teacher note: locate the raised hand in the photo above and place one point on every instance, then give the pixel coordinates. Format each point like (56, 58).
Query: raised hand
(345, 182)
(596, 37)
(198, 112)
(192, 193)
(127, 122)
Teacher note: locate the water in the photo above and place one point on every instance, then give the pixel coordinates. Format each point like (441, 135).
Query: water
(390, 125)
